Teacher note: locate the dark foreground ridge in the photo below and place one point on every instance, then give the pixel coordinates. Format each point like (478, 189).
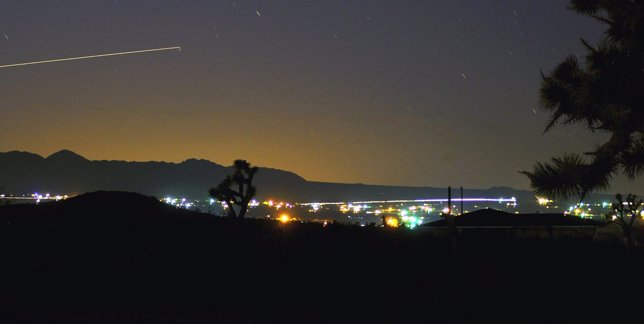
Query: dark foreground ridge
(115, 257)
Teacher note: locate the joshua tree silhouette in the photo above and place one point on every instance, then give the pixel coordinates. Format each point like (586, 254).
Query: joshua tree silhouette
(241, 180)
(626, 213)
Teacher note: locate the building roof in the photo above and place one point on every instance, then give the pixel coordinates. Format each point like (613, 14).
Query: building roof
(492, 217)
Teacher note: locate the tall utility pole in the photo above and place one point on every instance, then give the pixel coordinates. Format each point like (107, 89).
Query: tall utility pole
(449, 200)
(449, 219)
(462, 201)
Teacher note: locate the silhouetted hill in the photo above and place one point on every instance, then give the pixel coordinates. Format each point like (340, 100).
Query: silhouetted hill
(66, 157)
(99, 208)
(66, 172)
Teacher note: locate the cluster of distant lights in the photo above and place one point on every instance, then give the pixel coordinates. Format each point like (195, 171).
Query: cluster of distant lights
(253, 203)
(178, 202)
(37, 197)
(47, 196)
(410, 222)
(581, 209)
(394, 217)
(185, 203)
(275, 204)
(405, 217)
(408, 216)
(358, 206)
(585, 210)
(355, 207)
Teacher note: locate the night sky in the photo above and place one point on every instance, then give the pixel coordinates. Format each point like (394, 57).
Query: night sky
(429, 93)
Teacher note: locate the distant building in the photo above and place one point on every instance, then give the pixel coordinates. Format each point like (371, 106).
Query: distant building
(498, 223)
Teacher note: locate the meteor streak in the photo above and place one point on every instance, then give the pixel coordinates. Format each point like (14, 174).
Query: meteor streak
(177, 48)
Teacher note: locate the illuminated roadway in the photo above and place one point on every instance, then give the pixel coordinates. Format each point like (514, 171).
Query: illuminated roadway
(499, 200)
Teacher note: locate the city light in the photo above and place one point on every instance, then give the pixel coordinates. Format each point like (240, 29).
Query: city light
(284, 218)
(392, 222)
(409, 213)
(543, 201)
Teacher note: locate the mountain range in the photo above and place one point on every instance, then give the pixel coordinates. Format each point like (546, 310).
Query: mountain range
(66, 172)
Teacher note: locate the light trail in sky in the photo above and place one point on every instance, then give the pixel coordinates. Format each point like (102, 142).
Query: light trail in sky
(174, 48)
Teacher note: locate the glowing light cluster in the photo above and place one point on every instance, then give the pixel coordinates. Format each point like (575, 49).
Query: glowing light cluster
(38, 197)
(411, 221)
(284, 218)
(35, 196)
(392, 222)
(181, 203)
(543, 201)
(276, 205)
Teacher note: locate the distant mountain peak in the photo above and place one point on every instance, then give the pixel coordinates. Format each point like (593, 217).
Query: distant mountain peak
(199, 162)
(19, 153)
(67, 156)
(66, 172)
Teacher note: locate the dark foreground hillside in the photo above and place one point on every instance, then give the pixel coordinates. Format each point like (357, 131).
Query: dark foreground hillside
(125, 258)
